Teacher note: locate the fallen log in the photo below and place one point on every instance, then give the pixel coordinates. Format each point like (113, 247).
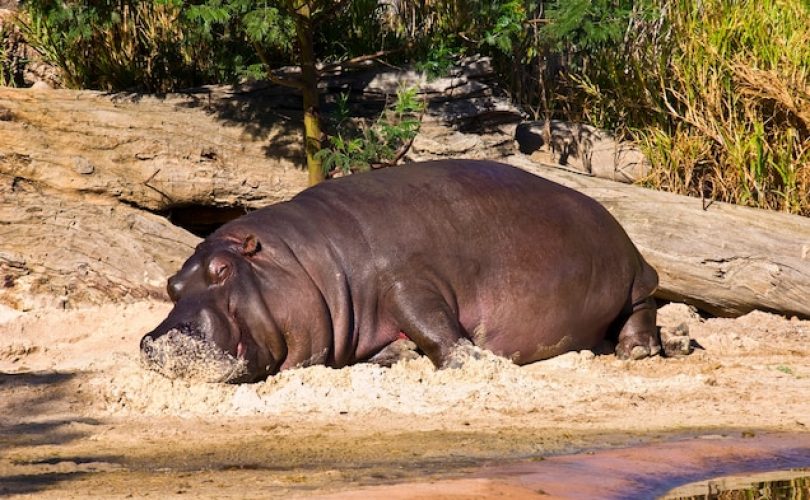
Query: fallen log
(725, 259)
(222, 146)
(67, 251)
(160, 153)
(152, 152)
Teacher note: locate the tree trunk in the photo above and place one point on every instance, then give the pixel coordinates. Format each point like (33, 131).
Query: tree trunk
(309, 80)
(725, 259)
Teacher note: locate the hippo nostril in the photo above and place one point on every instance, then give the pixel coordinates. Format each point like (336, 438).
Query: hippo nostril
(146, 340)
(190, 329)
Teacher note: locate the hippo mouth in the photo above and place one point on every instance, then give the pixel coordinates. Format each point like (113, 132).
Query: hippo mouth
(182, 354)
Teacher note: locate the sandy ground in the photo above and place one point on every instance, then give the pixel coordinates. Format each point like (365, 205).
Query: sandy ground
(79, 416)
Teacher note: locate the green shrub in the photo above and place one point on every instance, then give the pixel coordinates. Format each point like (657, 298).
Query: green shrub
(356, 147)
(154, 46)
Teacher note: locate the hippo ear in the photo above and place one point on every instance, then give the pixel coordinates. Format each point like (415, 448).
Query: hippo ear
(250, 246)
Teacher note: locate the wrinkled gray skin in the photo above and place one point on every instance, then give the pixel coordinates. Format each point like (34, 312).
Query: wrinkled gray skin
(441, 251)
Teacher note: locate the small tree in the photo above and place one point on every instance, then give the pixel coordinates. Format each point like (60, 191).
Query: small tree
(163, 45)
(280, 25)
(283, 24)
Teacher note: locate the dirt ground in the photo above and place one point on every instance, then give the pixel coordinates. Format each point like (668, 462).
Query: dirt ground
(79, 416)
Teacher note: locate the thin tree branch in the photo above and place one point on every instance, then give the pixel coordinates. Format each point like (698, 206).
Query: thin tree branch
(355, 61)
(403, 150)
(293, 83)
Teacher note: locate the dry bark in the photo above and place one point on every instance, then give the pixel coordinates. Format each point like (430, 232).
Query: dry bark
(154, 153)
(725, 259)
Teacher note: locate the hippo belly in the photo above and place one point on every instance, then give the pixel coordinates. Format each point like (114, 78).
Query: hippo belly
(437, 251)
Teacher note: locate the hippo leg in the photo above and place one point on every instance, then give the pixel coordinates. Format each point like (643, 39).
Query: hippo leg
(428, 321)
(638, 337)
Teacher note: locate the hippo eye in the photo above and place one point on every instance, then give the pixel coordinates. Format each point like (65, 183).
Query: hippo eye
(219, 269)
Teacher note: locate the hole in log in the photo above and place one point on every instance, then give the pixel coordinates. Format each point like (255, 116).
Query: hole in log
(203, 220)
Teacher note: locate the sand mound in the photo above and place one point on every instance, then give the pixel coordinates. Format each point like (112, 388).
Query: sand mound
(741, 359)
(412, 386)
(482, 382)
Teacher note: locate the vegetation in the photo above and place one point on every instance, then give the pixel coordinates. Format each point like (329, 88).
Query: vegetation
(360, 147)
(9, 61)
(736, 93)
(112, 46)
(5, 57)
(717, 92)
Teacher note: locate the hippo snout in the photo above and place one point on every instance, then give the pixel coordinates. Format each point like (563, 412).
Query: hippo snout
(176, 354)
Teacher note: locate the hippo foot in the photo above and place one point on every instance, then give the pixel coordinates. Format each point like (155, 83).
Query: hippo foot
(400, 350)
(638, 351)
(638, 337)
(676, 340)
(461, 352)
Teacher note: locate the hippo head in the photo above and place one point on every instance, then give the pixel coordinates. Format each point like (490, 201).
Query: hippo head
(220, 328)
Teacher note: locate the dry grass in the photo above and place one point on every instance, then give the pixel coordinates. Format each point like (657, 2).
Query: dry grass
(134, 45)
(737, 96)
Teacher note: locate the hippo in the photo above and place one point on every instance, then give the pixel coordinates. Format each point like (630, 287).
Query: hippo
(437, 252)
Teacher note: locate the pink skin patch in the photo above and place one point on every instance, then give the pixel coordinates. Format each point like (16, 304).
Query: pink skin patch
(240, 350)
(402, 336)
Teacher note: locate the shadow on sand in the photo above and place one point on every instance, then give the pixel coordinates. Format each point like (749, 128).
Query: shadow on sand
(34, 420)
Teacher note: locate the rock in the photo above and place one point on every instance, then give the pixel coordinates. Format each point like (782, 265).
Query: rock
(675, 340)
(440, 143)
(583, 148)
(83, 166)
(440, 140)
(466, 116)
(41, 85)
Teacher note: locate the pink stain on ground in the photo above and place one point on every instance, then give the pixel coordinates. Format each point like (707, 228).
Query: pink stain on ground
(645, 471)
